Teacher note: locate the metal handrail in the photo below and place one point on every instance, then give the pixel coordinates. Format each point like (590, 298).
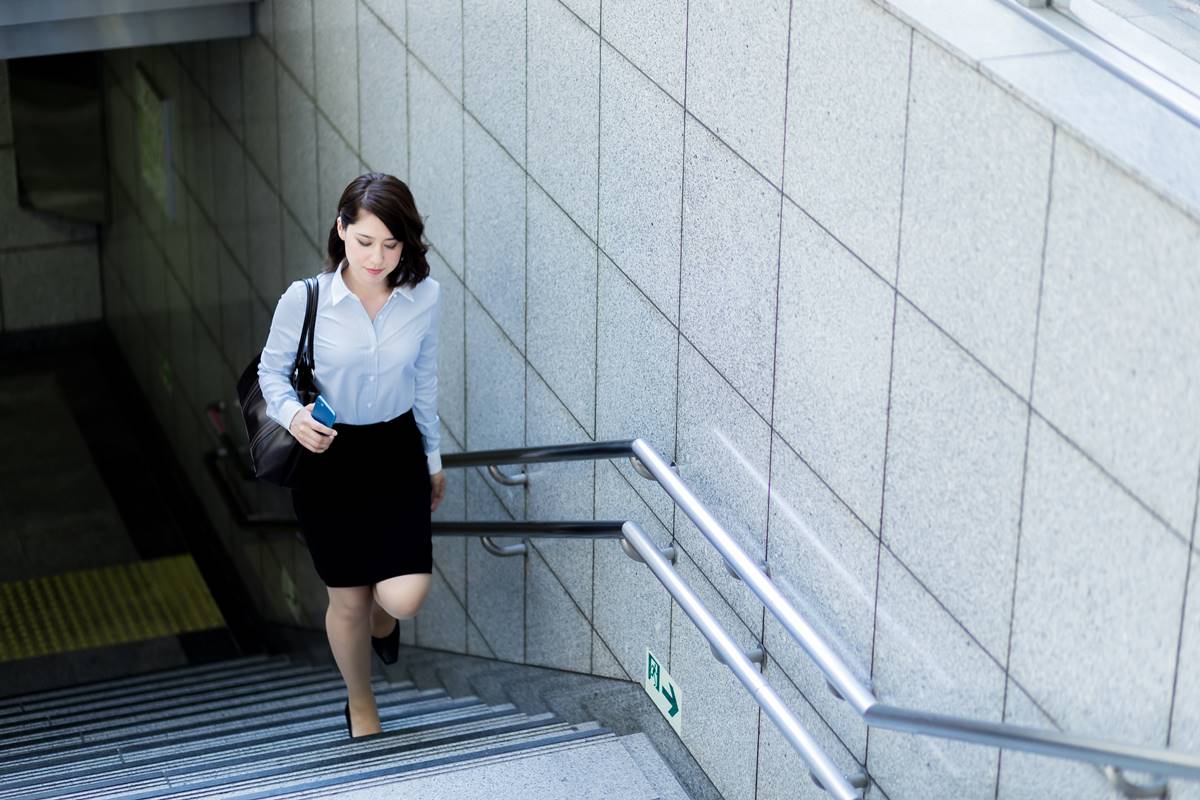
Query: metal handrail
(542, 529)
(638, 546)
(822, 767)
(842, 679)
(1100, 60)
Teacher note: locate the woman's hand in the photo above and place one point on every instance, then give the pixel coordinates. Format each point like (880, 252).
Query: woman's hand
(438, 481)
(311, 434)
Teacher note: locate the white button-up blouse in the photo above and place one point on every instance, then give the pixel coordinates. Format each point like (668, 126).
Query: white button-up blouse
(368, 371)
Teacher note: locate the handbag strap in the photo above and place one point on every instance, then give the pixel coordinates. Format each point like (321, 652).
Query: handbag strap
(304, 350)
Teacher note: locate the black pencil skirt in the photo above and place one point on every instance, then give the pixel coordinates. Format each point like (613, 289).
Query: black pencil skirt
(363, 504)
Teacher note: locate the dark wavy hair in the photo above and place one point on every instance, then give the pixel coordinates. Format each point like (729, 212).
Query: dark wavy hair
(390, 199)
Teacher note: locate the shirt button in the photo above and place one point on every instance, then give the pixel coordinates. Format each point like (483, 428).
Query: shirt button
(371, 378)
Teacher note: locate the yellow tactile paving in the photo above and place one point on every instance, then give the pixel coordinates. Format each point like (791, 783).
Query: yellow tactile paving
(99, 607)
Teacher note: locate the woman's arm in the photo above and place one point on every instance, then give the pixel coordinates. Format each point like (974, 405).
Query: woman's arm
(279, 355)
(425, 397)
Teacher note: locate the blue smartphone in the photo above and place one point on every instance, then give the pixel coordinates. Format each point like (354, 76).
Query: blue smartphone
(322, 413)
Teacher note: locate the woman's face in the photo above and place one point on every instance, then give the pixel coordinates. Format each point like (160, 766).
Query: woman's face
(371, 250)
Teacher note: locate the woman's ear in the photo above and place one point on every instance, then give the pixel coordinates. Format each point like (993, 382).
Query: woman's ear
(337, 221)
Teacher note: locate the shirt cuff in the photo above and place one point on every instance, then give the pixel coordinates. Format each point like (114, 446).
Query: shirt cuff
(287, 413)
(434, 457)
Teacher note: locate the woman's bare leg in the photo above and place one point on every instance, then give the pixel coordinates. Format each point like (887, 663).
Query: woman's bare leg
(347, 623)
(400, 597)
(381, 621)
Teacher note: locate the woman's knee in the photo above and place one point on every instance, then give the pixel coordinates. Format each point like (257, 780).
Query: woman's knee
(350, 603)
(403, 596)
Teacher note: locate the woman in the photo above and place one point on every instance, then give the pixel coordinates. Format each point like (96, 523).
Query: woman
(369, 483)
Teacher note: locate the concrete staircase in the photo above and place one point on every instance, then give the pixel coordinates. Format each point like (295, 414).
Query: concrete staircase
(266, 727)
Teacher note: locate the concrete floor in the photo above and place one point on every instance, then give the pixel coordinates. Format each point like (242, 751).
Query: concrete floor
(88, 482)
(56, 514)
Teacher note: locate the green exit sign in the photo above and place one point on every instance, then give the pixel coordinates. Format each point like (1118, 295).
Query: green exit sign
(663, 691)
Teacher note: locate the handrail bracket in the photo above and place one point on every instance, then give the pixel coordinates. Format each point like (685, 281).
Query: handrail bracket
(520, 479)
(1116, 777)
(503, 550)
(668, 552)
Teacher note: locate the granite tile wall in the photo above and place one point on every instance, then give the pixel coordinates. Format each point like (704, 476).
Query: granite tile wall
(920, 348)
(49, 266)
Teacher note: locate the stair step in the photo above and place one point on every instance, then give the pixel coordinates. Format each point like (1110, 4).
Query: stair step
(144, 680)
(260, 728)
(390, 782)
(433, 704)
(97, 710)
(108, 722)
(385, 748)
(591, 769)
(260, 716)
(411, 732)
(39, 772)
(356, 762)
(653, 768)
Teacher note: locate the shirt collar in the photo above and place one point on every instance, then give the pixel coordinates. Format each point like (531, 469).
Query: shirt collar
(339, 290)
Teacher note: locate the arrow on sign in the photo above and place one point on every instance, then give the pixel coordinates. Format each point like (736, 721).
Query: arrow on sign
(671, 699)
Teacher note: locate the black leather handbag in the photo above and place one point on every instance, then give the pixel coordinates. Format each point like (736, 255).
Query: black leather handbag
(275, 455)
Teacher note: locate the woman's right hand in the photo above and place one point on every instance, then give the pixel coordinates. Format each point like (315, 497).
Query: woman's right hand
(311, 434)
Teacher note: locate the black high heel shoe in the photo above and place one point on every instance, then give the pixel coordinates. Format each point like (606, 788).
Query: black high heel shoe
(388, 647)
(349, 730)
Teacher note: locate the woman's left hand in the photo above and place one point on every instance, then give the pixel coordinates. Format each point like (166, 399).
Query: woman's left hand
(438, 480)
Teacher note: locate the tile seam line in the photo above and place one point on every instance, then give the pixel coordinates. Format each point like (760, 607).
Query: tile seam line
(438, 79)
(1014, 392)
(1016, 575)
(687, 15)
(467, 618)
(766, 546)
(275, 67)
(596, 336)
(535, 370)
(523, 164)
(220, 240)
(992, 373)
(980, 66)
(888, 409)
(215, 112)
(467, 557)
(146, 232)
(408, 120)
(562, 585)
(319, 112)
(605, 253)
(972, 356)
(596, 317)
(248, 156)
(357, 81)
(143, 314)
(403, 40)
(1129, 493)
(283, 65)
(1108, 154)
(619, 52)
(1187, 580)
